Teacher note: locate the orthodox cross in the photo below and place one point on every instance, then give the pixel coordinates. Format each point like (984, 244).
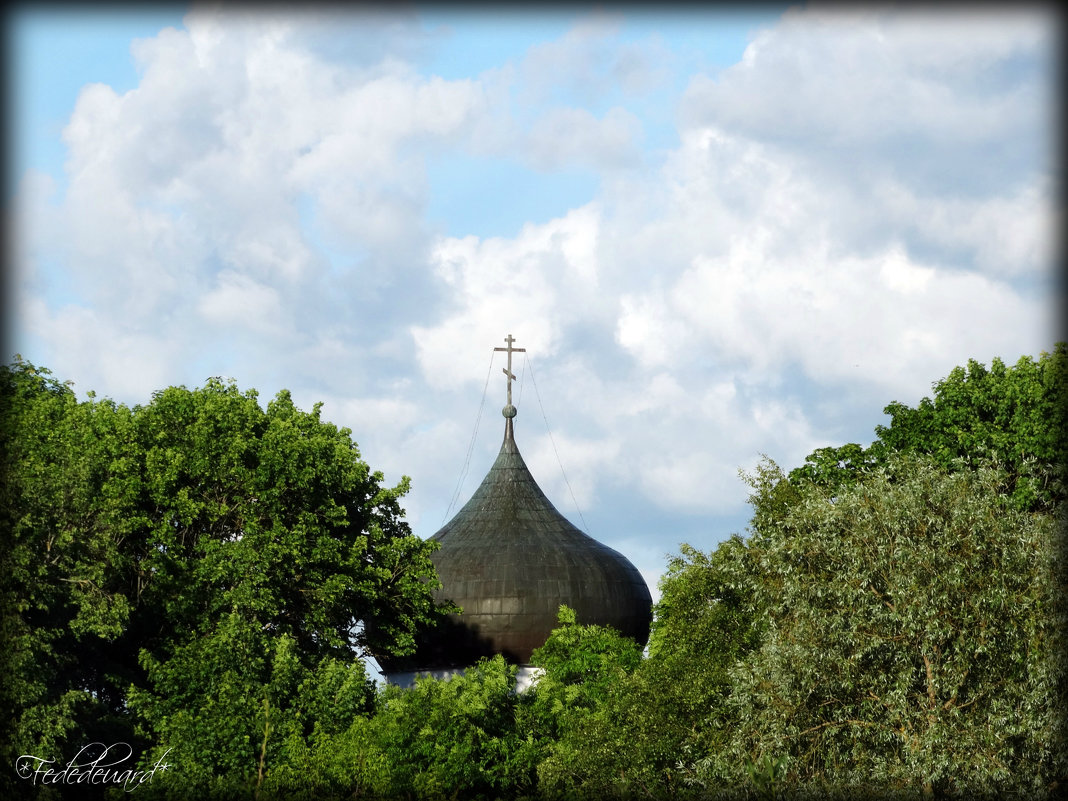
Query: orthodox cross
(508, 370)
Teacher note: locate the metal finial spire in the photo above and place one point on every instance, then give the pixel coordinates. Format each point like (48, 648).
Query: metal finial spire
(509, 410)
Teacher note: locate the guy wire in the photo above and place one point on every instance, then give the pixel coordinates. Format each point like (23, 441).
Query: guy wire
(471, 445)
(530, 364)
(522, 375)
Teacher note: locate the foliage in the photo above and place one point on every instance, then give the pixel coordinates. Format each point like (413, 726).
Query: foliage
(1018, 414)
(915, 627)
(199, 576)
(261, 709)
(627, 738)
(191, 565)
(331, 765)
(273, 514)
(700, 615)
(64, 494)
(456, 737)
(578, 665)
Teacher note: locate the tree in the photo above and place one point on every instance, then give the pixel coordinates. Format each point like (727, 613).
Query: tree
(622, 723)
(1019, 414)
(197, 546)
(915, 627)
(456, 737)
(65, 496)
(578, 664)
(738, 651)
(261, 702)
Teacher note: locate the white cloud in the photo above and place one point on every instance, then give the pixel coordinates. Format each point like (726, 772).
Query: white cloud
(883, 319)
(134, 362)
(568, 468)
(590, 63)
(1008, 234)
(231, 123)
(570, 136)
(744, 261)
(240, 301)
(814, 247)
(931, 127)
(903, 277)
(248, 180)
(953, 77)
(529, 287)
(35, 228)
(648, 330)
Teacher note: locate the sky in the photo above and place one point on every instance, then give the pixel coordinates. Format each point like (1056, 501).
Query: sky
(719, 234)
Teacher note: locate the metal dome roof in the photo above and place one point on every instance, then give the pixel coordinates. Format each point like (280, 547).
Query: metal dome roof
(509, 559)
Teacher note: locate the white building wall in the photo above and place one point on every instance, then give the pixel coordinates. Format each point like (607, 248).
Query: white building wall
(525, 677)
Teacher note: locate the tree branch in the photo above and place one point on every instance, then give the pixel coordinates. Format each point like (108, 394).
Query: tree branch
(882, 598)
(930, 682)
(263, 749)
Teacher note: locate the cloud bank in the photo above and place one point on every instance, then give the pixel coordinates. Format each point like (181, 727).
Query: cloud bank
(860, 203)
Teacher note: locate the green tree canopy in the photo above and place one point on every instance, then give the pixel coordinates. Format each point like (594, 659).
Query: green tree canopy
(195, 549)
(622, 723)
(1018, 413)
(457, 737)
(915, 629)
(578, 664)
(202, 574)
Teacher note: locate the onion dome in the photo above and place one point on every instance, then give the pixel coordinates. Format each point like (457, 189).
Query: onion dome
(509, 559)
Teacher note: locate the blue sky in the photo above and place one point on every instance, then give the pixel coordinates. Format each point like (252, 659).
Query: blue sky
(719, 234)
(54, 54)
